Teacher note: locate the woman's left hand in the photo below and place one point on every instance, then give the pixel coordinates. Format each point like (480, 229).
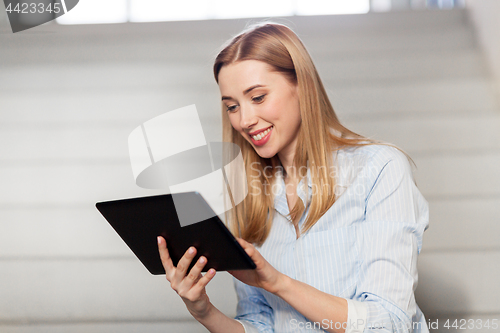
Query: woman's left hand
(265, 276)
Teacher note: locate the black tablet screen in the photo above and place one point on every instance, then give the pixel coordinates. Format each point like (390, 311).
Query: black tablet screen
(139, 221)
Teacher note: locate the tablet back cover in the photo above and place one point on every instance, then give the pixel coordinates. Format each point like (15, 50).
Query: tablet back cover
(139, 221)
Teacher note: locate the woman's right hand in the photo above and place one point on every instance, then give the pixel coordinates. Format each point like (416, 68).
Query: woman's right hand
(190, 287)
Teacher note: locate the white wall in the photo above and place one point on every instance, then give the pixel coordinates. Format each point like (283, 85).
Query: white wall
(486, 17)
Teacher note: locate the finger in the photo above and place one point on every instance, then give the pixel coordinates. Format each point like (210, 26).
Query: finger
(195, 273)
(183, 264)
(165, 257)
(249, 248)
(243, 242)
(197, 289)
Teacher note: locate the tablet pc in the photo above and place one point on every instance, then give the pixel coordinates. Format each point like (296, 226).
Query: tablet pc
(138, 221)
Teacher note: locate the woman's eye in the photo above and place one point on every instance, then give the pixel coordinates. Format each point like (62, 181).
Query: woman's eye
(231, 108)
(258, 98)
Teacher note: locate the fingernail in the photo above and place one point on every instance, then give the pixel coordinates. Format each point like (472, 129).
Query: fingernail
(191, 250)
(159, 240)
(202, 260)
(211, 271)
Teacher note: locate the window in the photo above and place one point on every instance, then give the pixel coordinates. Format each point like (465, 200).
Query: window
(117, 11)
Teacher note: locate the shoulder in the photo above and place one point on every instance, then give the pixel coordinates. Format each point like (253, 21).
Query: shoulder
(381, 155)
(373, 155)
(372, 160)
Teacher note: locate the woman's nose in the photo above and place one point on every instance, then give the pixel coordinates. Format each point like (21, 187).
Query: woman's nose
(248, 117)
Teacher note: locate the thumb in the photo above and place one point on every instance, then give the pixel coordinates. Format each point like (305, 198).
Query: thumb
(244, 244)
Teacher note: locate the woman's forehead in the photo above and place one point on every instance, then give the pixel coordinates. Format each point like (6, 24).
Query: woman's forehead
(241, 75)
(245, 66)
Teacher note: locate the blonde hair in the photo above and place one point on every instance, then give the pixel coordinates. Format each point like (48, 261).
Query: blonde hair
(320, 133)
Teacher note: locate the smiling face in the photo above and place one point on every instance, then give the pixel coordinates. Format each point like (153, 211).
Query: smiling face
(259, 100)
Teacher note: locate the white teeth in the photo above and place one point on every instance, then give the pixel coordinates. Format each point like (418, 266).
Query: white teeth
(261, 135)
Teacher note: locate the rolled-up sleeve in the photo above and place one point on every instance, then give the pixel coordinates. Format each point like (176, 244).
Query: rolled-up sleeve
(253, 310)
(390, 238)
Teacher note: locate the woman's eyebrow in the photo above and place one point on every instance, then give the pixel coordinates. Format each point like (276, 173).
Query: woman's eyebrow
(246, 91)
(252, 88)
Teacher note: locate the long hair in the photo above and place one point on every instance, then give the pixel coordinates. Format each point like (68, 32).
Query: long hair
(320, 132)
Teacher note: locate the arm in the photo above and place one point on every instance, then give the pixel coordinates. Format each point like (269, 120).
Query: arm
(253, 310)
(315, 305)
(191, 288)
(216, 321)
(396, 216)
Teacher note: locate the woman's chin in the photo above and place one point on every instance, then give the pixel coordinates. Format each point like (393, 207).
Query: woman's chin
(265, 153)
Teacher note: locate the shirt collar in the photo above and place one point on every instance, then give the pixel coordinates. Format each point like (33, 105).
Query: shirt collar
(280, 201)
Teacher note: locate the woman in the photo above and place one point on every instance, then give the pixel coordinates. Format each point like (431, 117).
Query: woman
(333, 220)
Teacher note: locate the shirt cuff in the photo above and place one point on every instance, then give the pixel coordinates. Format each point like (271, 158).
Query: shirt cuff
(356, 316)
(249, 328)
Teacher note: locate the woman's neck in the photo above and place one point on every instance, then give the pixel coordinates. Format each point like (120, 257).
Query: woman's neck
(286, 157)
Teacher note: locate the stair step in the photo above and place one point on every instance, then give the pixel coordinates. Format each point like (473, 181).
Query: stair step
(52, 290)
(68, 231)
(424, 133)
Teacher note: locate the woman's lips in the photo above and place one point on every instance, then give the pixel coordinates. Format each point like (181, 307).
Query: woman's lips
(264, 139)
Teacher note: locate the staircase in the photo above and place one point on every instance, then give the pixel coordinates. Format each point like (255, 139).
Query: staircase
(70, 95)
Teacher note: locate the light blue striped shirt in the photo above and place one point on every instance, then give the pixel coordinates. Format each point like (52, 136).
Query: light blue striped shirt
(364, 248)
